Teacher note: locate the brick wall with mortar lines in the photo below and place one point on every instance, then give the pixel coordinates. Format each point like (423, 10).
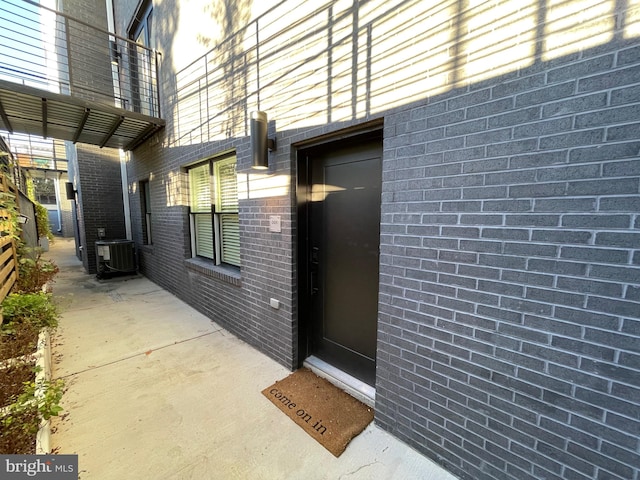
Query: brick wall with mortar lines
(91, 73)
(97, 171)
(239, 302)
(510, 273)
(100, 198)
(241, 306)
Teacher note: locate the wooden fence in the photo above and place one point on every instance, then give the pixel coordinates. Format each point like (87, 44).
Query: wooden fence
(8, 252)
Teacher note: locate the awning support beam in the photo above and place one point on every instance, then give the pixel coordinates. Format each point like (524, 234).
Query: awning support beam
(76, 135)
(152, 128)
(114, 127)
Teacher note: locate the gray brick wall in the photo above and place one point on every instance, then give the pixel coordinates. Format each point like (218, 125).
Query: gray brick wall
(238, 301)
(510, 266)
(514, 350)
(95, 171)
(99, 185)
(91, 74)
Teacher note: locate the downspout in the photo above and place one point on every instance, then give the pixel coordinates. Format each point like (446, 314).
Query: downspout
(56, 185)
(125, 193)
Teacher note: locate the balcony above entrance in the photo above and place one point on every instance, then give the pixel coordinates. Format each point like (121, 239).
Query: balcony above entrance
(65, 117)
(63, 78)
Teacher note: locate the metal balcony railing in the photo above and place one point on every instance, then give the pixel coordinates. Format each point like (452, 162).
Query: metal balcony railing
(52, 51)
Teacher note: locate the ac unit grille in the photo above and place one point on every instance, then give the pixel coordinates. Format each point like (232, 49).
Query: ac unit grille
(115, 256)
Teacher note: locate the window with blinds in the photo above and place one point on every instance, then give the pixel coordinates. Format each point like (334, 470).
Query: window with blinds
(227, 208)
(214, 211)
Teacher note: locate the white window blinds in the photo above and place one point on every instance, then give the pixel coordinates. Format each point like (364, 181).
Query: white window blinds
(230, 229)
(204, 235)
(200, 186)
(227, 207)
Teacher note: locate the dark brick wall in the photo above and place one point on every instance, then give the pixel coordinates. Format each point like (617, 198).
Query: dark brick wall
(94, 171)
(237, 300)
(91, 73)
(99, 185)
(509, 314)
(510, 273)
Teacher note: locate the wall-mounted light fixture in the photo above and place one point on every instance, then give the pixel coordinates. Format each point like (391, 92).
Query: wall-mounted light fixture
(71, 193)
(22, 219)
(260, 144)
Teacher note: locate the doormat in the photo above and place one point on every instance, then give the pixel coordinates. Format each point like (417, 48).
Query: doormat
(328, 414)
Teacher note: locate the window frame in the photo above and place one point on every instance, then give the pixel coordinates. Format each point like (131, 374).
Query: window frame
(142, 23)
(214, 211)
(142, 85)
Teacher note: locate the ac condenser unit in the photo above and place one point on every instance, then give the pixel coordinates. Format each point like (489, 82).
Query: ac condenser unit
(115, 257)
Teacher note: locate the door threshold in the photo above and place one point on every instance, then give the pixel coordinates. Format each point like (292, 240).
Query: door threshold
(354, 387)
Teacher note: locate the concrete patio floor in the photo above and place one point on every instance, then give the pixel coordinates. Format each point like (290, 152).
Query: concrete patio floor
(158, 391)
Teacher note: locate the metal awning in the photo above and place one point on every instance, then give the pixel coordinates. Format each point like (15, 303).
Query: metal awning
(38, 112)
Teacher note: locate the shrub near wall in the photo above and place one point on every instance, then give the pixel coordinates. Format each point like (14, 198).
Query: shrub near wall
(26, 398)
(34, 272)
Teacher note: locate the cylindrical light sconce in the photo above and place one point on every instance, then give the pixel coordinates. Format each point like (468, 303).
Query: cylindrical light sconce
(260, 144)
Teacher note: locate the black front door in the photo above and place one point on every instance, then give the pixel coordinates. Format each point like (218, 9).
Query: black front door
(343, 239)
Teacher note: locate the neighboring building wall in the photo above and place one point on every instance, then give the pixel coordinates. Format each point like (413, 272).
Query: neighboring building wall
(96, 171)
(60, 218)
(91, 73)
(509, 316)
(66, 208)
(99, 199)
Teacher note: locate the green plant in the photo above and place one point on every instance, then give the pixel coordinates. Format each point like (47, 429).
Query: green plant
(47, 395)
(42, 397)
(33, 271)
(35, 308)
(16, 435)
(31, 189)
(9, 219)
(42, 220)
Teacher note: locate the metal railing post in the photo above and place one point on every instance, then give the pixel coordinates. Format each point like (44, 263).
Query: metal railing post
(157, 85)
(68, 42)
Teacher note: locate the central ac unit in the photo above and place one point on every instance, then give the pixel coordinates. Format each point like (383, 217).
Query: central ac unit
(115, 257)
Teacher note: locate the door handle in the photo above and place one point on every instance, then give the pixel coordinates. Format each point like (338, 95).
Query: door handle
(314, 283)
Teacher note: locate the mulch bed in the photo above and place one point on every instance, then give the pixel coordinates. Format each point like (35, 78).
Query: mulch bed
(22, 341)
(17, 438)
(11, 380)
